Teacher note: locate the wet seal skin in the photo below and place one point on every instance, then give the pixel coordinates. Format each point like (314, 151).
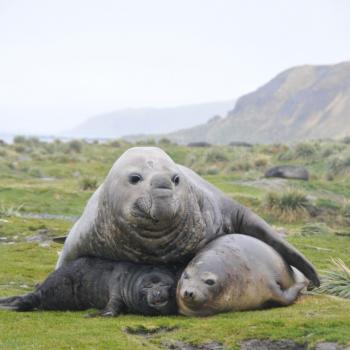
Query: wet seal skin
(152, 210)
(236, 272)
(112, 287)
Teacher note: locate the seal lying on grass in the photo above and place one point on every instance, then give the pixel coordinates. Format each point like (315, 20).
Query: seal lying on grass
(236, 272)
(151, 210)
(112, 287)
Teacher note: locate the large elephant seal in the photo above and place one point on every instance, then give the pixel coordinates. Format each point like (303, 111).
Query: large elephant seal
(110, 286)
(151, 210)
(236, 272)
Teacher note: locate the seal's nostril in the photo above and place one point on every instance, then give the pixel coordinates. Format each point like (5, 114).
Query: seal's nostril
(188, 294)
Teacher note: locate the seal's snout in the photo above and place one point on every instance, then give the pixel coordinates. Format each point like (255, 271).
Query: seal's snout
(161, 182)
(189, 294)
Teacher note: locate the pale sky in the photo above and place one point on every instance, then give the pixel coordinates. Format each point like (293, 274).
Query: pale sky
(62, 61)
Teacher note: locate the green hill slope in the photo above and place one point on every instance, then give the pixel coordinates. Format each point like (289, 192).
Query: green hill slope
(306, 102)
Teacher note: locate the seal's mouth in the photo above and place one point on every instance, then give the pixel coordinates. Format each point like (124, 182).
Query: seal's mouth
(158, 304)
(194, 304)
(160, 206)
(157, 299)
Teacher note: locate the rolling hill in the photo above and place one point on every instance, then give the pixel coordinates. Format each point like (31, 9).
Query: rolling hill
(149, 120)
(305, 102)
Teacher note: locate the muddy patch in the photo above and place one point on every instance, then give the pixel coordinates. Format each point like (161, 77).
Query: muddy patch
(178, 345)
(257, 344)
(148, 332)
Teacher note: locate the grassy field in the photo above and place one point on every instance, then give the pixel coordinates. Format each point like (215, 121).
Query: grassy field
(45, 186)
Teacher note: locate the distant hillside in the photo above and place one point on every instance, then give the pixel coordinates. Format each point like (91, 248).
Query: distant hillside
(305, 102)
(149, 120)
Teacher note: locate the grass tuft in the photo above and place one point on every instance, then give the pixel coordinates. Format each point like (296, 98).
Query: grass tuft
(8, 211)
(88, 183)
(288, 205)
(336, 281)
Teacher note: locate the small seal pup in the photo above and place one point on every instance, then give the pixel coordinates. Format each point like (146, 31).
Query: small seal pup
(113, 287)
(152, 210)
(236, 272)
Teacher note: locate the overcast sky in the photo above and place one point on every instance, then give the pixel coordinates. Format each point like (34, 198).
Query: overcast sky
(62, 61)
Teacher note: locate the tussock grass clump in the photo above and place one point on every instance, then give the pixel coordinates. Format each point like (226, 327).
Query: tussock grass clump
(149, 142)
(346, 140)
(305, 150)
(345, 210)
(261, 162)
(317, 228)
(19, 139)
(288, 205)
(20, 148)
(241, 165)
(338, 165)
(274, 149)
(336, 280)
(88, 183)
(213, 171)
(7, 211)
(114, 143)
(164, 142)
(286, 156)
(216, 155)
(75, 146)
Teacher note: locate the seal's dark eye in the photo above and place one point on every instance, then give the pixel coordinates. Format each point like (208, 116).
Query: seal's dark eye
(209, 282)
(176, 179)
(186, 276)
(135, 178)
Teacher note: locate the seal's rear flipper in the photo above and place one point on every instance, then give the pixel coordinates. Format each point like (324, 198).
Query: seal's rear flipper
(7, 300)
(288, 296)
(20, 303)
(60, 239)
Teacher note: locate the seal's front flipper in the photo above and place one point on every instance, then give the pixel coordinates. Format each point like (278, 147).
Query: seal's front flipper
(103, 313)
(288, 296)
(112, 309)
(20, 303)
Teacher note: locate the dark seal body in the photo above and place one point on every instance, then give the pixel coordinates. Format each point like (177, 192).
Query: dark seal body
(288, 172)
(110, 286)
(236, 272)
(152, 210)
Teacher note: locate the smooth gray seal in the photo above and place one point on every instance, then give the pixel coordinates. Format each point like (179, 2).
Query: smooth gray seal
(113, 287)
(236, 272)
(151, 210)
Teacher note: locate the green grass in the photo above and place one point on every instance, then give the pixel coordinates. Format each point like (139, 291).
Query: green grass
(23, 264)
